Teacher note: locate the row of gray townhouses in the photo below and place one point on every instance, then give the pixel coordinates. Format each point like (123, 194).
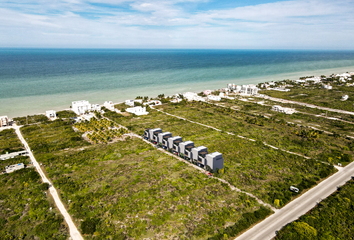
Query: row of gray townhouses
(187, 150)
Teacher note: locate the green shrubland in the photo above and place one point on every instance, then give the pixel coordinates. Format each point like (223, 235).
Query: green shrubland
(26, 212)
(330, 219)
(250, 166)
(128, 189)
(9, 142)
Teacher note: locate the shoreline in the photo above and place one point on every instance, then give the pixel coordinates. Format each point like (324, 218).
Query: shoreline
(64, 100)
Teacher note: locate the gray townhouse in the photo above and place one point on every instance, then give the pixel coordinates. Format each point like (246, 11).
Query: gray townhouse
(163, 138)
(173, 143)
(185, 148)
(198, 155)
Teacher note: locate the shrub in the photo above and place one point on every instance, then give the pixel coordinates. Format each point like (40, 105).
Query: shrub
(88, 226)
(44, 186)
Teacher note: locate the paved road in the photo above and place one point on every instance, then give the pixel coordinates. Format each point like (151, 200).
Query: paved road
(266, 229)
(74, 233)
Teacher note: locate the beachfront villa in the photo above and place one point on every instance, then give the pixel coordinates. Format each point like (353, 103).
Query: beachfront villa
(250, 89)
(191, 96)
(109, 105)
(51, 114)
(95, 107)
(4, 121)
(186, 150)
(81, 107)
(129, 103)
(138, 110)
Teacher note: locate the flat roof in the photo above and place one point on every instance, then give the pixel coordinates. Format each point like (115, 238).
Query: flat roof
(214, 154)
(200, 148)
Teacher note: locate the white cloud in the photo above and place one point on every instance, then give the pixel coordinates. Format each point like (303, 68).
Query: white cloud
(158, 23)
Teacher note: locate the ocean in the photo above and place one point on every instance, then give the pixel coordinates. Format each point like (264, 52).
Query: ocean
(35, 80)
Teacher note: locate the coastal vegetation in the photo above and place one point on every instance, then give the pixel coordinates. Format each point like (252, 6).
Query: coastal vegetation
(315, 94)
(66, 114)
(30, 119)
(250, 166)
(9, 142)
(26, 211)
(330, 219)
(128, 189)
(51, 136)
(273, 130)
(100, 131)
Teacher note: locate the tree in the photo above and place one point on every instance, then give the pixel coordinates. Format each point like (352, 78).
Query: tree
(305, 230)
(89, 225)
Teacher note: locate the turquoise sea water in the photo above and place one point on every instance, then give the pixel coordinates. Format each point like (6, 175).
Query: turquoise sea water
(35, 80)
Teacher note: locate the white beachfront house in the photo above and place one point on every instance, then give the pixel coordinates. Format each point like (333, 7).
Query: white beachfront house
(250, 89)
(129, 103)
(137, 110)
(51, 114)
(81, 107)
(4, 121)
(191, 96)
(281, 109)
(95, 107)
(109, 105)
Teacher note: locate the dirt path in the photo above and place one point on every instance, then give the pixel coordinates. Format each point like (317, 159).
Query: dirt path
(74, 232)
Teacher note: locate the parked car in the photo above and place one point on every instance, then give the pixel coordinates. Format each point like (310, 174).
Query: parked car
(294, 189)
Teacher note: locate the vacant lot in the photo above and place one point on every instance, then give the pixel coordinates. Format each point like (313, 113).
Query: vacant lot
(251, 166)
(319, 96)
(331, 219)
(9, 142)
(273, 130)
(25, 210)
(130, 189)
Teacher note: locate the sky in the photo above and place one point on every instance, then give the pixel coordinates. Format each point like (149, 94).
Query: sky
(201, 24)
